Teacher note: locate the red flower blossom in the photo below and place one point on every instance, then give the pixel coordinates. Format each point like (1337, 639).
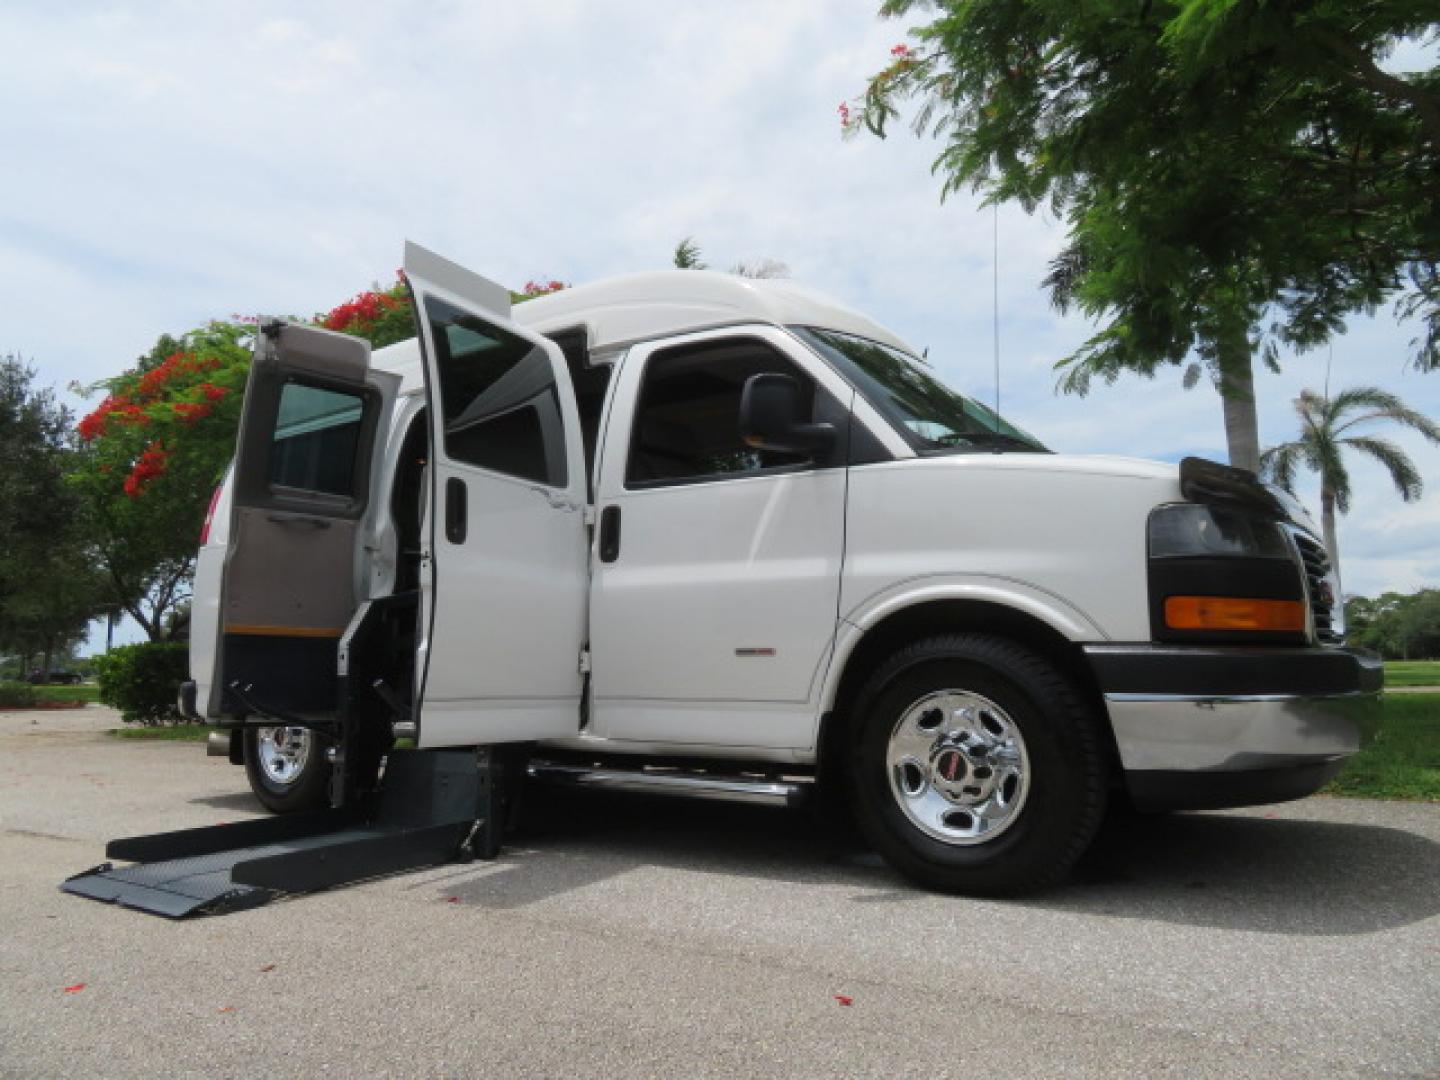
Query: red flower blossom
(92, 426)
(152, 463)
(213, 392)
(902, 52)
(190, 412)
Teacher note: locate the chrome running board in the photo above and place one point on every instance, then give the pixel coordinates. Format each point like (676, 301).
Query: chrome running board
(691, 785)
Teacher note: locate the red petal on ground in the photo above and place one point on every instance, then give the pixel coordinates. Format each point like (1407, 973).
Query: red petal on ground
(75, 989)
(844, 1000)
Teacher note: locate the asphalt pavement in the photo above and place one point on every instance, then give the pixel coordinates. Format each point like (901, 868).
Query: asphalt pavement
(640, 937)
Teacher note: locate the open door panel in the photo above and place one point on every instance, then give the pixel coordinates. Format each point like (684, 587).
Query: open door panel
(315, 413)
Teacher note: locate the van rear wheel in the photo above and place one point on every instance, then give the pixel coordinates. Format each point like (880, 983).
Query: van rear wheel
(286, 767)
(976, 766)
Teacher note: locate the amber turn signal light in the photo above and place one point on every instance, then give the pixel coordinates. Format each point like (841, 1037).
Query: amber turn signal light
(1233, 613)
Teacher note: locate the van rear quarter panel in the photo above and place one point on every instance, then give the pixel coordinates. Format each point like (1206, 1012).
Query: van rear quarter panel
(1066, 531)
(205, 602)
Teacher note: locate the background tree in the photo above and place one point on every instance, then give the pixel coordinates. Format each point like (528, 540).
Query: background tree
(687, 257)
(1236, 177)
(148, 459)
(47, 588)
(1327, 430)
(1398, 626)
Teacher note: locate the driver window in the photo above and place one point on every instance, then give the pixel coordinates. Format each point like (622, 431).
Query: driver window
(687, 420)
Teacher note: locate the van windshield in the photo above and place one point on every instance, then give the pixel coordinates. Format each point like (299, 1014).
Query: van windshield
(933, 418)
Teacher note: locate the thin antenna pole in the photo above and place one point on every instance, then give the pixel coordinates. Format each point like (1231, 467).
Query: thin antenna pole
(995, 303)
(1330, 359)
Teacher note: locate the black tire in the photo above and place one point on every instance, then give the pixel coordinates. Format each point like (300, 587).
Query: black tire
(308, 790)
(1062, 806)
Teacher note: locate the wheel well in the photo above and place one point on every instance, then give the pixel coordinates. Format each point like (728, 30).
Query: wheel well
(915, 623)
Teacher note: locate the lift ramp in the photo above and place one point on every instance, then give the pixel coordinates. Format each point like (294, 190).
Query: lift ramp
(433, 807)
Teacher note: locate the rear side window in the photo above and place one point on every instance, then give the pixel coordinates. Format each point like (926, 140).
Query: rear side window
(317, 436)
(498, 401)
(687, 422)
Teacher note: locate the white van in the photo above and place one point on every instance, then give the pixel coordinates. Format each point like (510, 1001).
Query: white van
(705, 533)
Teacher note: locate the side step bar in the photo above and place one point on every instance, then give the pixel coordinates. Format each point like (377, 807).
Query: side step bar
(692, 785)
(435, 806)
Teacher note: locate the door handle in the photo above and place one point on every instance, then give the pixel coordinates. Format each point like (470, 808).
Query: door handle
(455, 510)
(298, 519)
(610, 534)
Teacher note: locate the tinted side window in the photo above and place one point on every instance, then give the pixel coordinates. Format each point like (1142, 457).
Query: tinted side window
(317, 435)
(499, 405)
(687, 422)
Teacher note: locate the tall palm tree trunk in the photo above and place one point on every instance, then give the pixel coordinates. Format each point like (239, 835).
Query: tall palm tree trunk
(1332, 545)
(1242, 427)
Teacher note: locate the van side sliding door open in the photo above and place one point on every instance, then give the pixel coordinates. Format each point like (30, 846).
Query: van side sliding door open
(505, 568)
(314, 415)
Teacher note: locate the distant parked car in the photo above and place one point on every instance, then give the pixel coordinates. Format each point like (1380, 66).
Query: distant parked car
(53, 677)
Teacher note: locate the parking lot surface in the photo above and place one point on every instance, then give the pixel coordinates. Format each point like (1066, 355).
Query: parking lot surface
(639, 937)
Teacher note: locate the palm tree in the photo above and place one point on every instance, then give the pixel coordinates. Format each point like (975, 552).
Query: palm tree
(1324, 422)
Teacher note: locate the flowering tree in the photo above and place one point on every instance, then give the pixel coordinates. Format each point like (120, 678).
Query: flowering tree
(384, 316)
(149, 457)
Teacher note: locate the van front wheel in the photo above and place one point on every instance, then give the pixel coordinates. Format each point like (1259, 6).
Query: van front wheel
(287, 768)
(976, 766)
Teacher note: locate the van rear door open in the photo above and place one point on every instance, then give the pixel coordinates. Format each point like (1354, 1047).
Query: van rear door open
(505, 567)
(315, 412)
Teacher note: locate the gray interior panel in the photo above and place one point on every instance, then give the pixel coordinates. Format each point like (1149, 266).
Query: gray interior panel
(290, 570)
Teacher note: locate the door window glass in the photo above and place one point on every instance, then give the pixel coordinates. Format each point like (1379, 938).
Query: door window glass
(499, 405)
(317, 435)
(687, 422)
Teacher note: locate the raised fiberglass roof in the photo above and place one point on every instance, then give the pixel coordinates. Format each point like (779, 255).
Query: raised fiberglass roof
(620, 310)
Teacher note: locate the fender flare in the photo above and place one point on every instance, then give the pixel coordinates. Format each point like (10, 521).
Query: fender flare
(1040, 604)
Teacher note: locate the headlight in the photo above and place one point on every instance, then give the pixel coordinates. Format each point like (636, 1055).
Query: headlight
(1191, 529)
(1220, 575)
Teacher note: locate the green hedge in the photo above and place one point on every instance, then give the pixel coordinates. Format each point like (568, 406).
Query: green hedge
(16, 694)
(143, 681)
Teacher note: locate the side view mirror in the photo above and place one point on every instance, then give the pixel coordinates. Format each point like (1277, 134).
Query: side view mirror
(770, 417)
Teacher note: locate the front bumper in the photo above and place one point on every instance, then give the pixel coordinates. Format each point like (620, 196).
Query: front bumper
(1200, 728)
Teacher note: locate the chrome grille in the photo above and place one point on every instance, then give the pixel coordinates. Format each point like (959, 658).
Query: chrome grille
(1317, 584)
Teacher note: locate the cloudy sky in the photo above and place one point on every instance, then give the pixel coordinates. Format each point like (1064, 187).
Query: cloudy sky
(171, 162)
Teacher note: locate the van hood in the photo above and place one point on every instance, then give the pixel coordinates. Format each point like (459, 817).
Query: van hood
(1112, 465)
(1164, 475)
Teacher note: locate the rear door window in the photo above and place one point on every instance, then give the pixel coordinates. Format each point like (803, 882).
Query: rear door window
(317, 436)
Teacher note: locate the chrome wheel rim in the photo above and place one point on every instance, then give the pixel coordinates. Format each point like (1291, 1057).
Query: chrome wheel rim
(283, 752)
(958, 767)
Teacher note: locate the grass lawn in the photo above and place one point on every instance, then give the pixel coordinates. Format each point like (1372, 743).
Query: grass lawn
(68, 693)
(174, 733)
(1412, 673)
(1404, 761)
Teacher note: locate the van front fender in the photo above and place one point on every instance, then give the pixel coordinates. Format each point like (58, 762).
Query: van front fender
(1022, 597)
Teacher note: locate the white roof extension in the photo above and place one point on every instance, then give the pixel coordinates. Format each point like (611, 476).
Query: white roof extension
(622, 310)
(618, 311)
